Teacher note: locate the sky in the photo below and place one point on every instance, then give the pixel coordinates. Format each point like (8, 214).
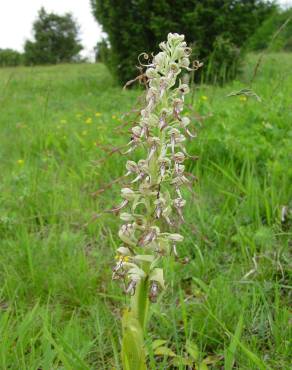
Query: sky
(17, 16)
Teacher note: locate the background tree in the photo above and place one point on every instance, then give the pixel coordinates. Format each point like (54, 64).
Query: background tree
(10, 58)
(135, 26)
(55, 39)
(102, 51)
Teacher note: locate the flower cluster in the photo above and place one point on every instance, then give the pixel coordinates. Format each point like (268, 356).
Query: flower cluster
(154, 196)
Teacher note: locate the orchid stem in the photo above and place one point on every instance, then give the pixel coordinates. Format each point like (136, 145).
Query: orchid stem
(140, 302)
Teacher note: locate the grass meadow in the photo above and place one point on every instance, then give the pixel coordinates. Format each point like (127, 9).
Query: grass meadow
(59, 308)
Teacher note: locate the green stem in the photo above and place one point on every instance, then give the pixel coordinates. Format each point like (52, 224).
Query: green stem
(134, 325)
(135, 320)
(140, 303)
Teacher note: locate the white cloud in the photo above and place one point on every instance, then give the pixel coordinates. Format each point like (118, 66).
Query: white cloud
(285, 3)
(17, 16)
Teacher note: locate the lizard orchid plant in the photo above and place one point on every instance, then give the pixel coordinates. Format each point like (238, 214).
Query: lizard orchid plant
(154, 199)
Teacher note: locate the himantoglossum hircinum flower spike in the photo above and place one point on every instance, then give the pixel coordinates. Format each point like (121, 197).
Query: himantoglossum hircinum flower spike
(154, 200)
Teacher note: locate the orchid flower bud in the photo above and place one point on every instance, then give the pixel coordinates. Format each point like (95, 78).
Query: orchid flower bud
(185, 62)
(128, 194)
(132, 167)
(159, 59)
(185, 121)
(136, 130)
(184, 89)
(151, 73)
(126, 217)
(178, 157)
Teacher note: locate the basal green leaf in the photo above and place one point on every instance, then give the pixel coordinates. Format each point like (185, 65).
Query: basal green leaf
(164, 351)
(192, 350)
(157, 343)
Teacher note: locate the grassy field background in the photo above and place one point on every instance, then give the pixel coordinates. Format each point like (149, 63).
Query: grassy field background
(59, 308)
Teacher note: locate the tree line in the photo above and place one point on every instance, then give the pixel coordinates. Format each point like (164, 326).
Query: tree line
(219, 31)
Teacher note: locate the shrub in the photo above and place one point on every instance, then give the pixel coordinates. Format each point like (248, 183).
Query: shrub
(224, 61)
(10, 58)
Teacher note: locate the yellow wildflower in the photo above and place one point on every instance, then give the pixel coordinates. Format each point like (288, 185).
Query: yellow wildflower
(21, 125)
(88, 121)
(204, 97)
(243, 98)
(97, 114)
(20, 162)
(122, 258)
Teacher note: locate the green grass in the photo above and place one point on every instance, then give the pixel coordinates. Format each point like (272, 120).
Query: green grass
(59, 308)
